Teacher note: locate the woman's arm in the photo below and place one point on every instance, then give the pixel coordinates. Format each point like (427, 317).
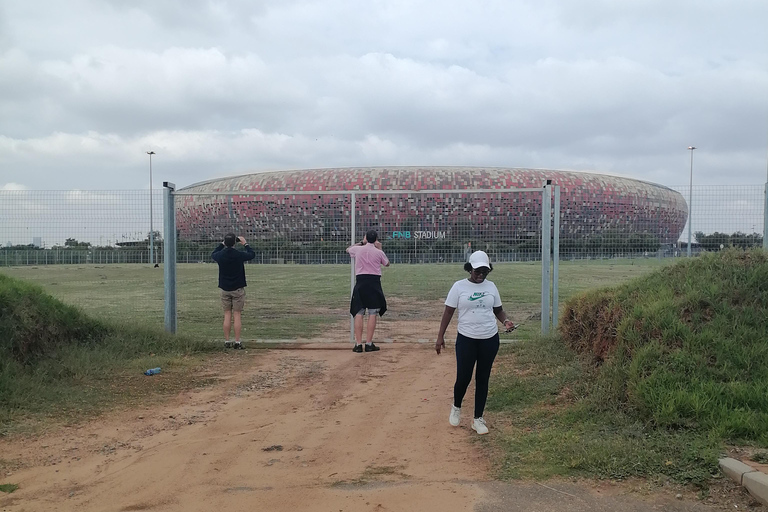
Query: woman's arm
(502, 316)
(447, 315)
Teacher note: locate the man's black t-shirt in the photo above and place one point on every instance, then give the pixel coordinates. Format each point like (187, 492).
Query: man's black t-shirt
(231, 268)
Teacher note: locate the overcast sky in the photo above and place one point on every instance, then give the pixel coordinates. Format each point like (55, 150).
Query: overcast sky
(227, 87)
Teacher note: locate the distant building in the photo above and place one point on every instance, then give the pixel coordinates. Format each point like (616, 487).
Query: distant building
(37, 241)
(591, 205)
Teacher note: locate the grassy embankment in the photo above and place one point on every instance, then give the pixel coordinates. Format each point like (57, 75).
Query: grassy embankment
(58, 363)
(653, 378)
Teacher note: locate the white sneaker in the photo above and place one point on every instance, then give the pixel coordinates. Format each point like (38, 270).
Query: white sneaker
(478, 425)
(455, 417)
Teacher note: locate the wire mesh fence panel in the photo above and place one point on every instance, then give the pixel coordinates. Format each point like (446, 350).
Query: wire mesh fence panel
(91, 248)
(626, 220)
(635, 232)
(78, 227)
(726, 215)
(445, 227)
(297, 283)
(88, 248)
(654, 221)
(427, 237)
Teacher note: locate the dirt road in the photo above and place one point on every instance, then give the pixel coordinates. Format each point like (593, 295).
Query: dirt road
(316, 429)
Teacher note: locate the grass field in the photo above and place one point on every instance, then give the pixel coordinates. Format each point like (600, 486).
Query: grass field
(305, 301)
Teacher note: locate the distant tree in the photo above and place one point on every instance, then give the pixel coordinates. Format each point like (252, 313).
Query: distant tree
(157, 237)
(717, 240)
(24, 247)
(744, 241)
(74, 244)
(643, 243)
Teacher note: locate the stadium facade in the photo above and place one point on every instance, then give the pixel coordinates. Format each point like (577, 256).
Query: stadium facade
(591, 205)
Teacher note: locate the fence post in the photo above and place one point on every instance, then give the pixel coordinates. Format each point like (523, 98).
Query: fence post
(169, 247)
(556, 259)
(546, 234)
(765, 218)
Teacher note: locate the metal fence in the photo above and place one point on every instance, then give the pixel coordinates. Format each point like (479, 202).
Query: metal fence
(66, 227)
(417, 227)
(103, 228)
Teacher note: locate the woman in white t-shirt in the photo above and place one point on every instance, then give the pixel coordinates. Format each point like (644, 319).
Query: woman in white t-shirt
(477, 341)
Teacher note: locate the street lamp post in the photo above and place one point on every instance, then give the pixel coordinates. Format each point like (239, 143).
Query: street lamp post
(151, 223)
(690, 199)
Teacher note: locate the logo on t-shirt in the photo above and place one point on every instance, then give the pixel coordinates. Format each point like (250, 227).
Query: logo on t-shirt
(477, 295)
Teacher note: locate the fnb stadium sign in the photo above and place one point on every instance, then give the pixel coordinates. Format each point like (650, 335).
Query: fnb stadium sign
(407, 235)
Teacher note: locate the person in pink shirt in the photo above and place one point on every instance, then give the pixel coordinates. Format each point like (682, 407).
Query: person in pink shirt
(367, 294)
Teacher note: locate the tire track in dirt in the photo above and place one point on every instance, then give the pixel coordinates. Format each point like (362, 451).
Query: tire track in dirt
(301, 430)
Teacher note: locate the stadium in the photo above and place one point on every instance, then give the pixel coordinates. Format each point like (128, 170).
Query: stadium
(280, 205)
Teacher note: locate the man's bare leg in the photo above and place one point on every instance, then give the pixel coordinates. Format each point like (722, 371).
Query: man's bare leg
(227, 324)
(371, 327)
(358, 329)
(238, 326)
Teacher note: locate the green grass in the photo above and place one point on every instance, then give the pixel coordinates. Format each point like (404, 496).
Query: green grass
(290, 301)
(652, 378)
(687, 347)
(58, 362)
(543, 402)
(9, 488)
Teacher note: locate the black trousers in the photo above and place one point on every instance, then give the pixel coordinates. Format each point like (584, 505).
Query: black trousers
(468, 352)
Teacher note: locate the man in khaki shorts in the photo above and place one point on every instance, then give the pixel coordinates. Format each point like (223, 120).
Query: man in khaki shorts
(232, 282)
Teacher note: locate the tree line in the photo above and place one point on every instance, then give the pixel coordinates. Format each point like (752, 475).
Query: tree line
(717, 241)
(604, 243)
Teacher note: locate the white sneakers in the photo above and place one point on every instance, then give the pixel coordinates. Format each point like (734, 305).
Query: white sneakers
(455, 418)
(478, 424)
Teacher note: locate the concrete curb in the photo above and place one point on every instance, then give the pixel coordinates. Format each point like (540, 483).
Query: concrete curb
(751, 479)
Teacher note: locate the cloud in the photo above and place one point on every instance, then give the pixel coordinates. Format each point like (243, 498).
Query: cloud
(13, 186)
(231, 86)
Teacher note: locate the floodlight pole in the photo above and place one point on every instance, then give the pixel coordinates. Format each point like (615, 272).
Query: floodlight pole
(690, 199)
(151, 226)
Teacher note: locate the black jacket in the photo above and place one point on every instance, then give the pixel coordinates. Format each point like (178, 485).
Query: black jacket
(231, 267)
(368, 294)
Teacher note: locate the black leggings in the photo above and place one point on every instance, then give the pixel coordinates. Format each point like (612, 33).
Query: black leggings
(469, 351)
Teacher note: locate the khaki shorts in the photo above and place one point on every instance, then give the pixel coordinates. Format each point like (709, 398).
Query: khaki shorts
(234, 300)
